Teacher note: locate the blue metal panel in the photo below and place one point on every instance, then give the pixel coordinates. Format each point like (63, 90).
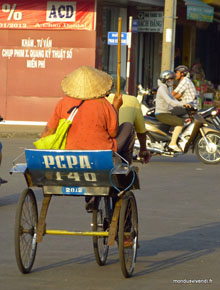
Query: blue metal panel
(70, 190)
(69, 160)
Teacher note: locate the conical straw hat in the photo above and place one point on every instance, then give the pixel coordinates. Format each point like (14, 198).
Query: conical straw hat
(87, 83)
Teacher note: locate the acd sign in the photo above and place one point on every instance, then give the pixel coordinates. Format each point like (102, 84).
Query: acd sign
(61, 11)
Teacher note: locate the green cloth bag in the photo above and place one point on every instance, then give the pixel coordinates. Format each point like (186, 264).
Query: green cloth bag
(57, 140)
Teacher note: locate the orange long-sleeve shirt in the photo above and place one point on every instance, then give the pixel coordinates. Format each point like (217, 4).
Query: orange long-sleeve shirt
(94, 126)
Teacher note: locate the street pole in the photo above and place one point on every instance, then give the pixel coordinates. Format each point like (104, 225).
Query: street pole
(119, 56)
(129, 53)
(169, 30)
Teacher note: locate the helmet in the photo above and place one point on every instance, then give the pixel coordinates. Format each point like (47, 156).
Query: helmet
(183, 69)
(167, 74)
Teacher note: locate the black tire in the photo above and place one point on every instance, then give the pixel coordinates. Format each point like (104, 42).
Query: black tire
(26, 231)
(128, 234)
(204, 153)
(101, 222)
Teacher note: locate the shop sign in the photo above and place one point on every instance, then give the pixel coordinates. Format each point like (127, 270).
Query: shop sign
(52, 15)
(36, 52)
(113, 38)
(150, 21)
(199, 11)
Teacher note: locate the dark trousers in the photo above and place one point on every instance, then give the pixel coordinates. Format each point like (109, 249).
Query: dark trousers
(125, 141)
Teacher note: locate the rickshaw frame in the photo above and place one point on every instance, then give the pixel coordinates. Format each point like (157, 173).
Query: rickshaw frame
(100, 173)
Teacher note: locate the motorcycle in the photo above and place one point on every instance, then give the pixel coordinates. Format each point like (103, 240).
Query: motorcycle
(212, 116)
(146, 99)
(197, 134)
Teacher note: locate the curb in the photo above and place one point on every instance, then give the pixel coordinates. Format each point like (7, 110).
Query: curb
(20, 131)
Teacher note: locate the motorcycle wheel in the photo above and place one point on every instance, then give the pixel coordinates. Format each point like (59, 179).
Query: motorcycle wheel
(209, 154)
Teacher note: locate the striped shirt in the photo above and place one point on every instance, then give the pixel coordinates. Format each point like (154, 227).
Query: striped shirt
(187, 89)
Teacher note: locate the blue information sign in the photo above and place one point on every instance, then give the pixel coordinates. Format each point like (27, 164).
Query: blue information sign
(113, 38)
(135, 25)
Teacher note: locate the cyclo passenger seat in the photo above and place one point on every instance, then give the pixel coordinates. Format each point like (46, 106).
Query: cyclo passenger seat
(76, 172)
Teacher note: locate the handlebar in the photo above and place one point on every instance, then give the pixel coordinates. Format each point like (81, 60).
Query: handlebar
(191, 111)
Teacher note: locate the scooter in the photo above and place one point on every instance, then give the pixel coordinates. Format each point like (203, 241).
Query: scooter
(197, 134)
(146, 99)
(211, 115)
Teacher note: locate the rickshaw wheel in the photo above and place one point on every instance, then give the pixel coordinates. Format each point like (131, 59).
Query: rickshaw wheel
(128, 234)
(26, 231)
(101, 222)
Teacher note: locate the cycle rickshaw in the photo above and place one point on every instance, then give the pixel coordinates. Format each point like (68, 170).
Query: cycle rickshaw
(79, 173)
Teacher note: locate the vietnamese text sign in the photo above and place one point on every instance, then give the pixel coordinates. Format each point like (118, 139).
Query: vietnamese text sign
(36, 52)
(200, 13)
(68, 15)
(150, 21)
(113, 38)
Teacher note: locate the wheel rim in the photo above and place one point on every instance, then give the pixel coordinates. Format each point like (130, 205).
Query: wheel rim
(210, 152)
(130, 235)
(28, 228)
(100, 224)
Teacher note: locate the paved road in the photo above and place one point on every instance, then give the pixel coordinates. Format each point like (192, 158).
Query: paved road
(179, 220)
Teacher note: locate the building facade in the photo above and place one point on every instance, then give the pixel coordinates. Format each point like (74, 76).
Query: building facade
(42, 42)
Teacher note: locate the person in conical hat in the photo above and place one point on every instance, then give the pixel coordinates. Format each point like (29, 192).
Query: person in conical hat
(95, 126)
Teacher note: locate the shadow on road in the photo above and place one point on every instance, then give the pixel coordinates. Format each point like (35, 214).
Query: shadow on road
(9, 199)
(178, 249)
(113, 258)
(182, 158)
(13, 198)
(183, 247)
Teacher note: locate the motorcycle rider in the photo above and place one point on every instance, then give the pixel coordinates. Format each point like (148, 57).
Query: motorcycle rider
(185, 89)
(163, 105)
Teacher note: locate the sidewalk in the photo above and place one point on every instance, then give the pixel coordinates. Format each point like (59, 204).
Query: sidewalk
(20, 131)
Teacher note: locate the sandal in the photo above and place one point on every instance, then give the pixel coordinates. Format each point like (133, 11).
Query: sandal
(128, 243)
(90, 205)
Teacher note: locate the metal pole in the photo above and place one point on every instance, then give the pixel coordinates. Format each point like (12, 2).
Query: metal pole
(174, 34)
(168, 35)
(129, 53)
(119, 56)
